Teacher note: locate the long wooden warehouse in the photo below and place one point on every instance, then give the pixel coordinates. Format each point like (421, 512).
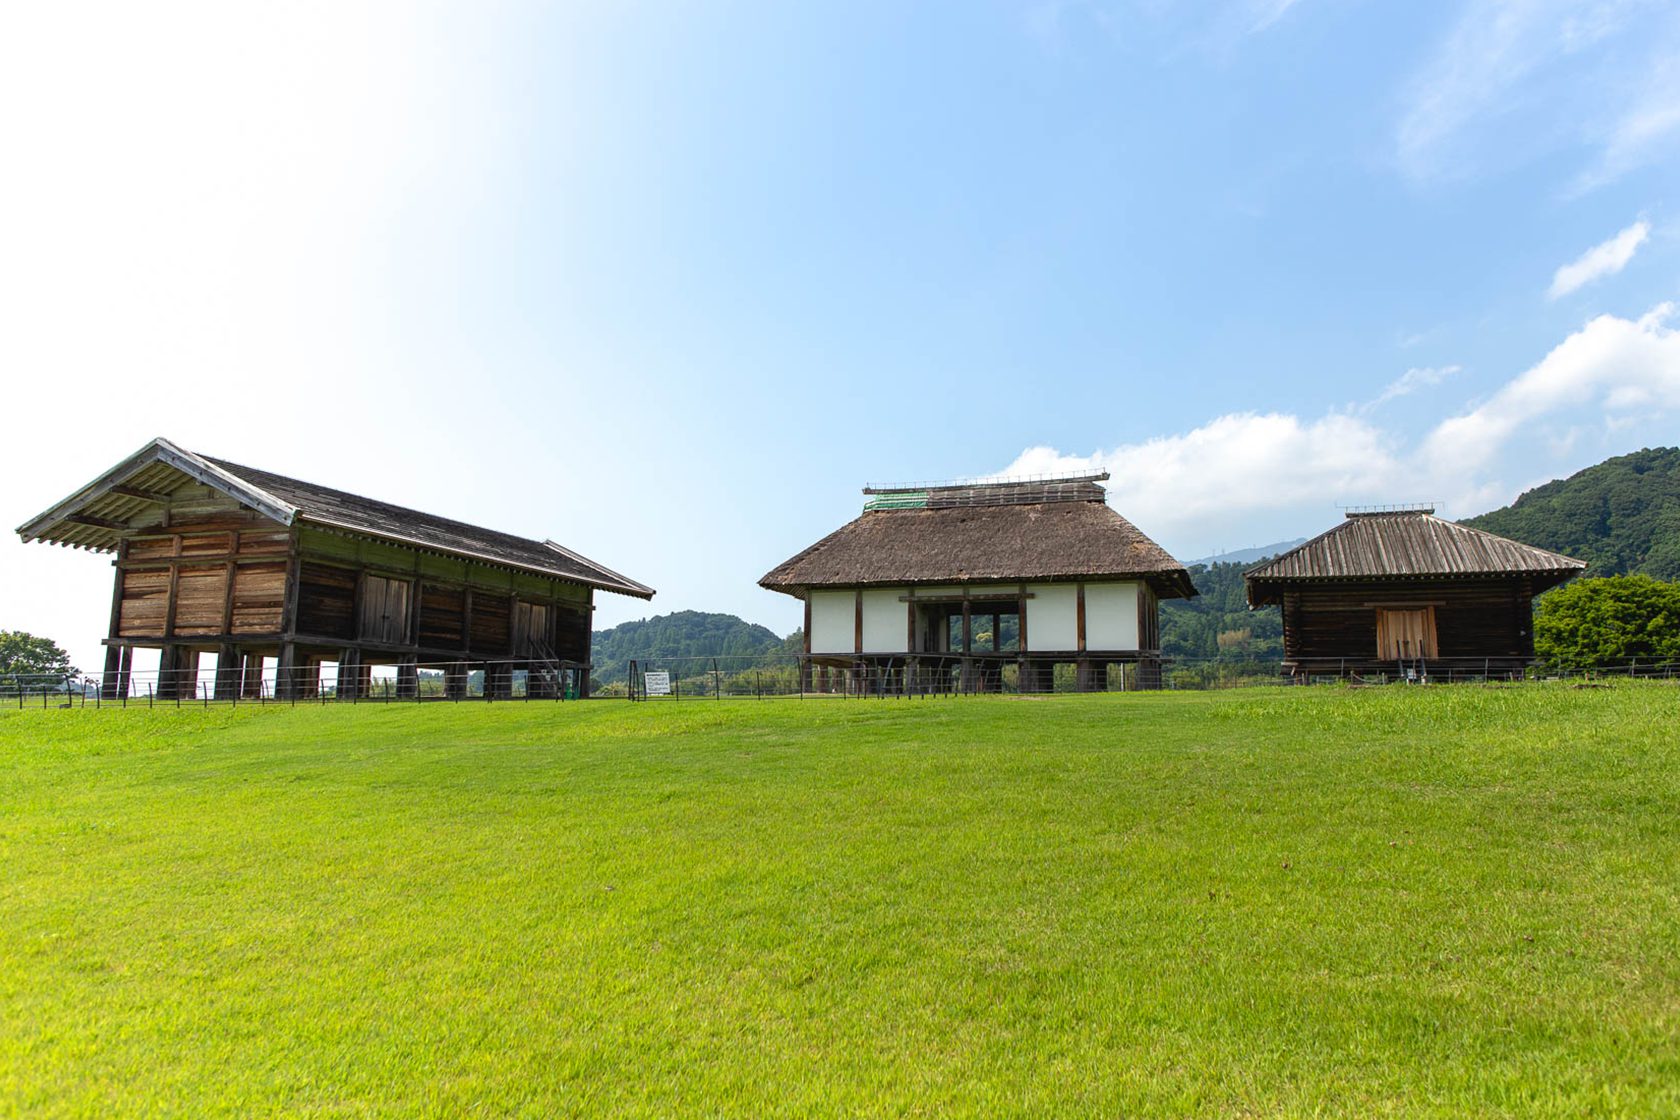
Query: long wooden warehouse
(212, 556)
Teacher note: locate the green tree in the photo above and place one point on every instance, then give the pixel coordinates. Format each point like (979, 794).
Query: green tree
(1593, 623)
(25, 655)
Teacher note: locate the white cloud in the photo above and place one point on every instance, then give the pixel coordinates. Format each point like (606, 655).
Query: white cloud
(1621, 366)
(1418, 377)
(1604, 259)
(1545, 74)
(1250, 478)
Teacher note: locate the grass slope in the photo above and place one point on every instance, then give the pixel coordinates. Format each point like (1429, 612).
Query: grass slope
(1439, 902)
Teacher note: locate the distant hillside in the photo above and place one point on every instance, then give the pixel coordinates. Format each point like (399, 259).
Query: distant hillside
(682, 634)
(1621, 516)
(1248, 555)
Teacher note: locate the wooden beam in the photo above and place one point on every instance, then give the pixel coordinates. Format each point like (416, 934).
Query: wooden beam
(174, 592)
(227, 600)
(1079, 617)
(157, 496)
(857, 622)
(969, 598)
(96, 522)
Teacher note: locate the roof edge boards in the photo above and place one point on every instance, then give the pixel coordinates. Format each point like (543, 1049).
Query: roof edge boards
(160, 450)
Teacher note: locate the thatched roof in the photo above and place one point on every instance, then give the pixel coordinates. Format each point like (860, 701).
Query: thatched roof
(96, 516)
(1009, 532)
(1410, 544)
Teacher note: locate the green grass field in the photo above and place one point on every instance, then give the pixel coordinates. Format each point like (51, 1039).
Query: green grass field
(1309, 902)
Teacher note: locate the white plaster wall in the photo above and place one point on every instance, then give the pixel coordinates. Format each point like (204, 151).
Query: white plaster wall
(885, 621)
(1052, 616)
(833, 621)
(1111, 616)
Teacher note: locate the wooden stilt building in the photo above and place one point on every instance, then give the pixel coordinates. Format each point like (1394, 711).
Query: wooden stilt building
(942, 587)
(216, 557)
(1403, 592)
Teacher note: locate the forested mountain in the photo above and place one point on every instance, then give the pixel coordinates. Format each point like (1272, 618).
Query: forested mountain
(682, 634)
(1218, 623)
(1622, 516)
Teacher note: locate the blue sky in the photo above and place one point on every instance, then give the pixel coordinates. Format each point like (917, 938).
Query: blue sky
(671, 282)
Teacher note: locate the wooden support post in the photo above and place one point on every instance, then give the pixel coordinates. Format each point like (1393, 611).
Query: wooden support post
(309, 682)
(285, 672)
(455, 680)
(1085, 676)
(1079, 619)
(350, 674)
(169, 672)
(251, 683)
(857, 623)
(113, 670)
(227, 672)
(408, 678)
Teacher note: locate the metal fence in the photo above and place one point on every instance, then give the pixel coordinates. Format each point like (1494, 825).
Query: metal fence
(676, 679)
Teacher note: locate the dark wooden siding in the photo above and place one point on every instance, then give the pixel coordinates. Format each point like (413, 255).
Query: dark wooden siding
(571, 632)
(442, 616)
(327, 601)
(491, 623)
(1475, 618)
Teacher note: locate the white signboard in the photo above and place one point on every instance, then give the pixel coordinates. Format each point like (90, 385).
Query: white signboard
(656, 684)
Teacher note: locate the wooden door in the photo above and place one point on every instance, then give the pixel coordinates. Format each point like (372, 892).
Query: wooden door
(1405, 634)
(530, 627)
(385, 610)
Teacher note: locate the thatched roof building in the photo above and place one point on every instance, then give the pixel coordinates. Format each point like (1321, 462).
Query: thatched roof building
(984, 532)
(1389, 589)
(1053, 572)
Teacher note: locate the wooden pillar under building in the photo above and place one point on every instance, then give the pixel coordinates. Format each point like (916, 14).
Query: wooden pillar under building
(251, 679)
(108, 689)
(408, 678)
(349, 685)
(286, 672)
(455, 680)
(309, 679)
(227, 672)
(498, 680)
(1086, 676)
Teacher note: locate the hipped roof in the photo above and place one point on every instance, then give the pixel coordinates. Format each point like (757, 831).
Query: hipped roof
(96, 516)
(1405, 545)
(1012, 533)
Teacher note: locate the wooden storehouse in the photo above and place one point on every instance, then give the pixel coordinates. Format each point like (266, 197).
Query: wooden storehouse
(943, 586)
(214, 556)
(1404, 592)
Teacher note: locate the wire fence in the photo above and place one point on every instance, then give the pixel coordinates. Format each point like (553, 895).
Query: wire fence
(677, 679)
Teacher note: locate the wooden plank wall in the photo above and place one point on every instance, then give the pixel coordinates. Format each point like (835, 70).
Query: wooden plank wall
(203, 576)
(1473, 618)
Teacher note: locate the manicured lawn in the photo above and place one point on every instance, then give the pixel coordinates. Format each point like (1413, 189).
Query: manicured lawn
(1435, 902)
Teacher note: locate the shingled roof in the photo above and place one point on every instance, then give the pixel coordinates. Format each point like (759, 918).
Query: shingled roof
(1408, 544)
(95, 516)
(1011, 531)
